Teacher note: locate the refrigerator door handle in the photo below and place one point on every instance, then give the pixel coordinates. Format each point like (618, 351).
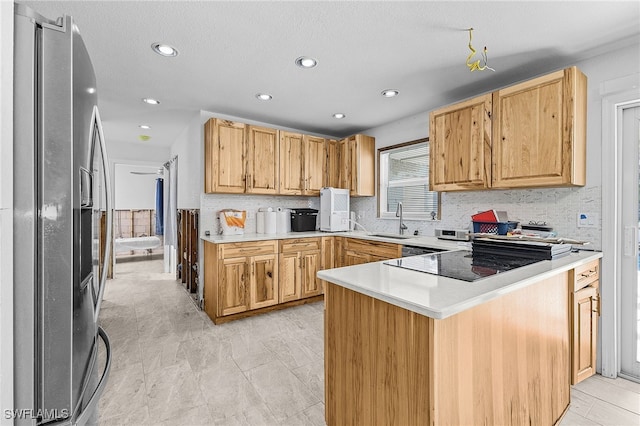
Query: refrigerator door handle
(109, 219)
(92, 404)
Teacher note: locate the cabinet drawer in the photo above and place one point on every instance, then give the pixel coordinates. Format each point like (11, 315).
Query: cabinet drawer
(299, 244)
(374, 248)
(585, 275)
(252, 248)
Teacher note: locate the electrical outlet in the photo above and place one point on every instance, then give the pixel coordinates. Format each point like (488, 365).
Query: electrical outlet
(588, 220)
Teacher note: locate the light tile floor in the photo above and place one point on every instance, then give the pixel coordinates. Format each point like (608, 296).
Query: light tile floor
(173, 366)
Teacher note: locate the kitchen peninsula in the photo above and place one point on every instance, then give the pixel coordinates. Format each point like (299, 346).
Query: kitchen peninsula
(409, 348)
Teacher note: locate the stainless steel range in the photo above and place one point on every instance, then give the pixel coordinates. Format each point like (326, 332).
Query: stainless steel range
(461, 265)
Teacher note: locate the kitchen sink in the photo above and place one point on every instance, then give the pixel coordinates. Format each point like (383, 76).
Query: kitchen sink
(396, 236)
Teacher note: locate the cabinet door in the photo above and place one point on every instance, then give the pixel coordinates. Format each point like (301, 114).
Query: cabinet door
(232, 286)
(460, 146)
(291, 165)
(332, 164)
(313, 164)
(263, 160)
(290, 274)
(264, 281)
(585, 328)
(538, 132)
(352, 258)
(311, 284)
(339, 250)
(329, 254)
(362, 168)
(225, 145)
(345, 164)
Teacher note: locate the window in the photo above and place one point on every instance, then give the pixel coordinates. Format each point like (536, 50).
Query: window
(404, 177)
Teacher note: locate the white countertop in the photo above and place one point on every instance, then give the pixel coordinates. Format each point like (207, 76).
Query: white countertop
(418, 241)
(440, 297)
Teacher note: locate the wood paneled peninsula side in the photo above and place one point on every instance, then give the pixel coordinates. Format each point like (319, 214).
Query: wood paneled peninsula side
(409, 348)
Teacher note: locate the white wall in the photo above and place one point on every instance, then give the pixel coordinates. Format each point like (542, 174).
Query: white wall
(6, 208)
(134, 191)
(558, 207)
(189, 148)
(134, 152)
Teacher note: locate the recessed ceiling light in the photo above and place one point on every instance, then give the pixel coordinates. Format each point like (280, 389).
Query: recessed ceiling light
(264, 96)
(339, 115)
(144, 126)
(164, 49)
(306, 62)
(144, 138)
(390, 93)
(151, 101)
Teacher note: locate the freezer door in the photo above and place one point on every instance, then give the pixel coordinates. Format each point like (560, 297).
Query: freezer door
(67, 324)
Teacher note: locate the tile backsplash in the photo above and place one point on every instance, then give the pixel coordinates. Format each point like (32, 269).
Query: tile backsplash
(556, 206)
(211, 204)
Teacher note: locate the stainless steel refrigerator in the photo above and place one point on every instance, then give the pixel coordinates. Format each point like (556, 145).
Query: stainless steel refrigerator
(61, 249)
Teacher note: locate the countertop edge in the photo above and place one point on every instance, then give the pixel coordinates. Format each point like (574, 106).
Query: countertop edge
(463, 305)
(417, 241)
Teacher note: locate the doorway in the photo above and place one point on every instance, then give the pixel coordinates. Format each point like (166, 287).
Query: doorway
(629, 132)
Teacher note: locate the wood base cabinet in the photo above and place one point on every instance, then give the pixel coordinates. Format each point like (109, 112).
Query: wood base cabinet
(240, 277)
(245, 279)
(356, 252)
(300, 261)
(585, 310)
(505, 362)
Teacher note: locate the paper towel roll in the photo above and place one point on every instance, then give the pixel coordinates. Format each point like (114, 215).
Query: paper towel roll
(281, 222)
(269, 222)
(260, 222)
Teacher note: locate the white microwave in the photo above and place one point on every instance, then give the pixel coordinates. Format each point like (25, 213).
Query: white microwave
(334, 209)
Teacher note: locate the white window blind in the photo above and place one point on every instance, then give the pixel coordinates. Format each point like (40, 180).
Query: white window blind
(404, 177)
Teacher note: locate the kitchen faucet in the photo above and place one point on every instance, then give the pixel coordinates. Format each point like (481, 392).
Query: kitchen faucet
(399, 214)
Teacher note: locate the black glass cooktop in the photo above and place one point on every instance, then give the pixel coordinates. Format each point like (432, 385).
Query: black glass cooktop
(461, 265)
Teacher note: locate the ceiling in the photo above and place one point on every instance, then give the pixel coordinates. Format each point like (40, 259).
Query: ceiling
(230, 51)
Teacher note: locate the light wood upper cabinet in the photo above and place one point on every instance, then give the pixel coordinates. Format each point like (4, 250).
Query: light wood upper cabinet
(224, 150)
(332, 164)
(241, 158)
(344, 154)
(263, 160)
(539, 132)
(314, 158)
(532, 134)
(358, 164)
(460, 146)
(291, 163)
(301, 164)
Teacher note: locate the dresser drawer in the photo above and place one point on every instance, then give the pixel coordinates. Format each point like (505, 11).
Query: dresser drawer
(230, 250)
(585, 275)
(299, 244)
